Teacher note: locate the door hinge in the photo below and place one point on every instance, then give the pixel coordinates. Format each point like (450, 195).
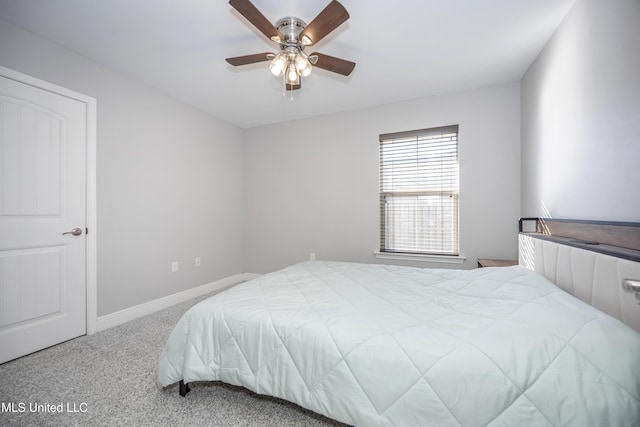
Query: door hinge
(86, 231)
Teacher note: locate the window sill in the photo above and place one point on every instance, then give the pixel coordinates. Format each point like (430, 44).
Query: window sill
(441, 259)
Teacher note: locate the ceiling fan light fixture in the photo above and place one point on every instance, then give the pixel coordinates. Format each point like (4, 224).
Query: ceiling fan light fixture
(292, 75)
(278, 65)
(306, 72)
(303, 65)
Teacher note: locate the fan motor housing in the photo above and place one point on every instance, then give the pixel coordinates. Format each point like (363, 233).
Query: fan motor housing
(291, 27)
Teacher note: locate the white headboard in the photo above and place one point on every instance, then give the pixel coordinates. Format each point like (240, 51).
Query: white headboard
(593, 277)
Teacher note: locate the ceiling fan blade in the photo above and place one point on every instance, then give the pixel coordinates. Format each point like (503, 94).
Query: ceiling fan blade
(333, 64)
(328, 20)
(250, 59)
(253, 15)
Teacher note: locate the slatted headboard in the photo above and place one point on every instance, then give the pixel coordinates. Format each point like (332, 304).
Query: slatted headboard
(583, 258)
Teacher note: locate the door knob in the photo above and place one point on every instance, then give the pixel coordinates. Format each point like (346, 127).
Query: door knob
(76, 232)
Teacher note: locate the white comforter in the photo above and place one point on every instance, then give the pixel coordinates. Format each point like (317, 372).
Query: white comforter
(376, 345)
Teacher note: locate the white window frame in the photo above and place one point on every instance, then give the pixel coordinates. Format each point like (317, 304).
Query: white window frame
(412, 181)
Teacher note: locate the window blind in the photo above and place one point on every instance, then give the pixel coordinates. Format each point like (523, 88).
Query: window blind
(419, 191)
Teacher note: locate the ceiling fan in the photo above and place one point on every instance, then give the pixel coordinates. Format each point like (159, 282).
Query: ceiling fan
(294, 35)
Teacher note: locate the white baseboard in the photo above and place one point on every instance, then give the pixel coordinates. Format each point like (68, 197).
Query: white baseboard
(132, 313)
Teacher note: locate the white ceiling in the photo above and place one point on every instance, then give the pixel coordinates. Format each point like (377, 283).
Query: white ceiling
(404, 49)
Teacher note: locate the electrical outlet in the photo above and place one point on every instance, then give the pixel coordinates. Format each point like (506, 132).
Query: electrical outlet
(312, 256)
(174, 266)
(198, 261)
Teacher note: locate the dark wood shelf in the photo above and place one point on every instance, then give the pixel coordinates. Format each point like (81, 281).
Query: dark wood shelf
(618, 239)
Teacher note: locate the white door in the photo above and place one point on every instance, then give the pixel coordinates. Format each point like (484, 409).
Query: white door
(42, 197)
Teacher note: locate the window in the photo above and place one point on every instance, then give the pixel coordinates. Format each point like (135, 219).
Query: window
(419, 191)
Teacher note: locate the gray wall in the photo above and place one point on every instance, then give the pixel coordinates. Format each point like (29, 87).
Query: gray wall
(312, 185)
(581, 117)
(169, 178)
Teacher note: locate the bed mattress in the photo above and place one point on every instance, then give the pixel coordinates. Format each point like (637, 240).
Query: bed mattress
(380, 345)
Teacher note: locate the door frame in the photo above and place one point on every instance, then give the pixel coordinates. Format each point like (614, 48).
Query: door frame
(91, 255)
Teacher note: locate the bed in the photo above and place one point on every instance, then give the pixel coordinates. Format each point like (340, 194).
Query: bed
(383, 345)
